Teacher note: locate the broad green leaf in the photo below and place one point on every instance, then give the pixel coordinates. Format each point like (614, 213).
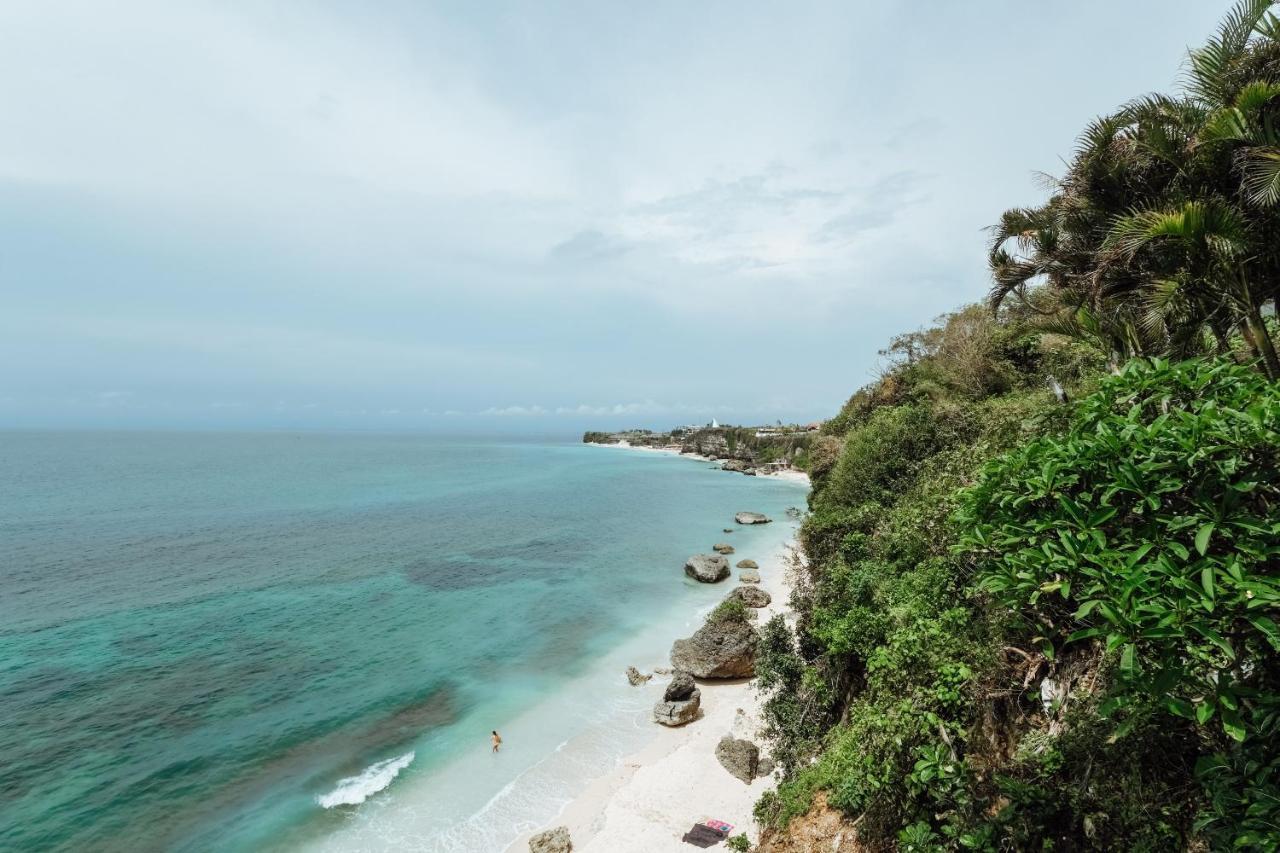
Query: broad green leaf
(1206, 580)
(1267, 627)
(1232, 725)
(1202, 539)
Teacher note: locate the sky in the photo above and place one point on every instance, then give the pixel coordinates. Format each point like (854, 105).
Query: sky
(538, 217)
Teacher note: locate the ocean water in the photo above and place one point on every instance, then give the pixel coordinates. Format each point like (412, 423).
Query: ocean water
(283, 642)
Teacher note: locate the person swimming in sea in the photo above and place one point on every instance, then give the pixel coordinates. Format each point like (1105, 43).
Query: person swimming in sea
(497, 741)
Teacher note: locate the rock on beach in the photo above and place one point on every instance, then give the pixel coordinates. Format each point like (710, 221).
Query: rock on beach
(752, 518)
(707, 568)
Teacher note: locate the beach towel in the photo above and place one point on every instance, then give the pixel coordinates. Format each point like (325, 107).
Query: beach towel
(708, 833)
(703, 836)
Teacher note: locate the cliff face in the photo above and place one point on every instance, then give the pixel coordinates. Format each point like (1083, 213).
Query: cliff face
(820, 830)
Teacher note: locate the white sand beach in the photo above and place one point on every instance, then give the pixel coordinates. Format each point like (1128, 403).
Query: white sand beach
(655, 795)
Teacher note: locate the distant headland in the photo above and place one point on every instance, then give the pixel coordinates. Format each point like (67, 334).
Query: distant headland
(750, 450)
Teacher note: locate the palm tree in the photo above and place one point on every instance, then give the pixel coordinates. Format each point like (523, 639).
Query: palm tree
(1205, 245)
(1163, 236)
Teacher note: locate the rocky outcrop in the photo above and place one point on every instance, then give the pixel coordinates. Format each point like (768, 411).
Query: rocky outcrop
(552, 841)
(751, 596)
(738, 466)
(722, 548)
(722, 648)
(678, 712)
(749, 576)
(707, 568)
(636, 677)
(681, 686)
(748, 564)
(752, 518)
(680, 703)
(740, 757)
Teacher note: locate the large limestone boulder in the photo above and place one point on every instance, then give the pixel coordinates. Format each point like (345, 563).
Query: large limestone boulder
(722, 548)
(752, 518)
(680, 701)
(552, 841)
(740, 757)
(749, 576)
(722, 648)
(738, 466)
(678, 712)
(707, 568)
(751, 596)
(748, 564)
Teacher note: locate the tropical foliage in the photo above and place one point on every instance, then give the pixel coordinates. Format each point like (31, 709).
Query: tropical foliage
(1162, 236)
(1041, 605)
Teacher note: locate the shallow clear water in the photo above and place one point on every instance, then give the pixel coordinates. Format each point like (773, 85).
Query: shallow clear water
(282, 641)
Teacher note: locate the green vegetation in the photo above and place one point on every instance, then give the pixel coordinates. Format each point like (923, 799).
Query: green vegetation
(1040, 609)
(1163, 236)
(739, 843)
(729, 610)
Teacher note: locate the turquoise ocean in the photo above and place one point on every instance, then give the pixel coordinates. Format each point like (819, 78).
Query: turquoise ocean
(301, 641)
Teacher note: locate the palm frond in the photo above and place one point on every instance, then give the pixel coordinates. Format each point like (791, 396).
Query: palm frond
(1206, 75)
(1262, 176)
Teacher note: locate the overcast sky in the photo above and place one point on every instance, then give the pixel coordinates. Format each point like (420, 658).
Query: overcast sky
(517, 216)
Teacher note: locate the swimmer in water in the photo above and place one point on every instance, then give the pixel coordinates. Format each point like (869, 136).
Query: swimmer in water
(497, 741)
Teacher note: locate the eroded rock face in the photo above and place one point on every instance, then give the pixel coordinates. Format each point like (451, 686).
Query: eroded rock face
(719, 649)
(552, 841)
(636, 677)
(722, 548)
(751, 596)
(677, 712)
(748, 564)
(739, 467)
(707, 568)
(752, 518)
(681, 687)
(749, 576)
(740, 757)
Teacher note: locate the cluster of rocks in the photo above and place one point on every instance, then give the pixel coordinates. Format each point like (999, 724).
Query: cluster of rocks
(723, 648)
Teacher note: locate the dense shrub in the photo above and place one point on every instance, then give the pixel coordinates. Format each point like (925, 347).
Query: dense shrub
(1153, 528)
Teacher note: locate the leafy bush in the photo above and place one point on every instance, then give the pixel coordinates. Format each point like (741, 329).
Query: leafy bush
(1151, 527)
(739, 843)
(729, 610)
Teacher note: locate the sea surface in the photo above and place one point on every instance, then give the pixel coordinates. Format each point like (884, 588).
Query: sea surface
(302, 641)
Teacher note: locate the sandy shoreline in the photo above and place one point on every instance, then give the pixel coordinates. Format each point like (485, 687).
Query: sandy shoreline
(652, 797)
(674, 450)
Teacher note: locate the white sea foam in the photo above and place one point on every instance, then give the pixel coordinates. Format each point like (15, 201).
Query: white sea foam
(354, 790)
